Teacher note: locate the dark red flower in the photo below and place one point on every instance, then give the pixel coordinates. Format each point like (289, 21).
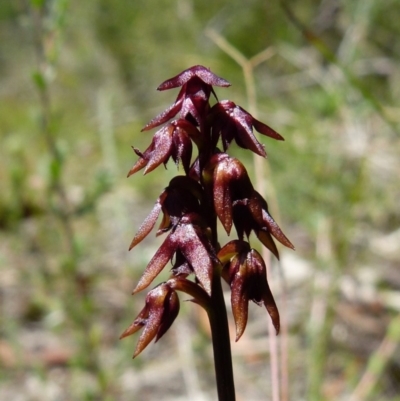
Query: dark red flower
(192, 100)
(251, 214)
(245, 271)
(230, 182)
(160, 310)
(197, 71)
(236, 201)
(190, 238)
(183, 195)
(229, 122)
(173, 140)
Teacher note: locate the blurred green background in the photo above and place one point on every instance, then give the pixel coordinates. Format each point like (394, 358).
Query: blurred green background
(78, 83)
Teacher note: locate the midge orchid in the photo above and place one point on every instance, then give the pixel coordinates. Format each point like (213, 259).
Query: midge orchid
(214, 187)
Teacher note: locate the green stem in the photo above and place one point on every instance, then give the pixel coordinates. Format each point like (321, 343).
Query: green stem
(221, 342)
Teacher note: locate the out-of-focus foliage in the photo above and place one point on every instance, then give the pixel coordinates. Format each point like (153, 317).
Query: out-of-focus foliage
(65, 271)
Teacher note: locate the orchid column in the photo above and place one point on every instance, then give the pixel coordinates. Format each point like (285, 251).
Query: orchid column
(214, 186)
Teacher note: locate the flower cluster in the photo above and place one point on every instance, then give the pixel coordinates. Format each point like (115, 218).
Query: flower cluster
(214, 187)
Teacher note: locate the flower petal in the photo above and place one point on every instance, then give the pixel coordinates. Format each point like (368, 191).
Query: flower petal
(160, 310)
(272, 309)
(245, 137)
(164, 116)
(275, 230)
(231, 183)
(266, 239)
(139, 164)
(210, 78)
(261, 290)
(170, 312)
(222, 195)
(266, 130)
(232, 248)
(149, 332)
(182, 148)
(137, 324)
(149, 222)
(155, 304)
(162, 144)
(158, 262)
(202, 72)
(196, 254)
(240, 304)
